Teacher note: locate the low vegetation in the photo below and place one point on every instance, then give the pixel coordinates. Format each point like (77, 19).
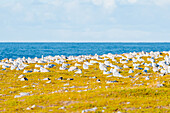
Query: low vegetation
(90, 90)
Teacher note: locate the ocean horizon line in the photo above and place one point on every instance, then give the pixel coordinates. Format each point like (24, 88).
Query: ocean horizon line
(84, 41)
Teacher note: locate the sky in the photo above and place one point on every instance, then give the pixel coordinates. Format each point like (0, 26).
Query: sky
(85, 20)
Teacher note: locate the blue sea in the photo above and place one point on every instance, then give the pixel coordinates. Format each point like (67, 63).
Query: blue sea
(14, 50)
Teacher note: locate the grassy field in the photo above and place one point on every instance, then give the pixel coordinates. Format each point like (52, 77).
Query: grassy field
(84, 92)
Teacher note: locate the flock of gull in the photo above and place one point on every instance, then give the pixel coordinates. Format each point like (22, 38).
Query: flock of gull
(162, 66)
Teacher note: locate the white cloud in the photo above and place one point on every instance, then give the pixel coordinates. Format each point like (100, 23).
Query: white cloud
(29, 17)
(127, 1)
(132, 1)
(52, 2)
(108, 5)
(97, 2)
(161, 2)
(56, 2)
(13, 6)
(78, 18)
(17, 7)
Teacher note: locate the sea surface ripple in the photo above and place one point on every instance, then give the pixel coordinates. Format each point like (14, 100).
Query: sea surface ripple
(14, 50)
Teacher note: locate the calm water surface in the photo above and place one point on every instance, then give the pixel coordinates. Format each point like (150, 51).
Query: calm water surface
(15, 50)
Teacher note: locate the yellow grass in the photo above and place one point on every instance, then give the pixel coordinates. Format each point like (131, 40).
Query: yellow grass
(123, 96)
